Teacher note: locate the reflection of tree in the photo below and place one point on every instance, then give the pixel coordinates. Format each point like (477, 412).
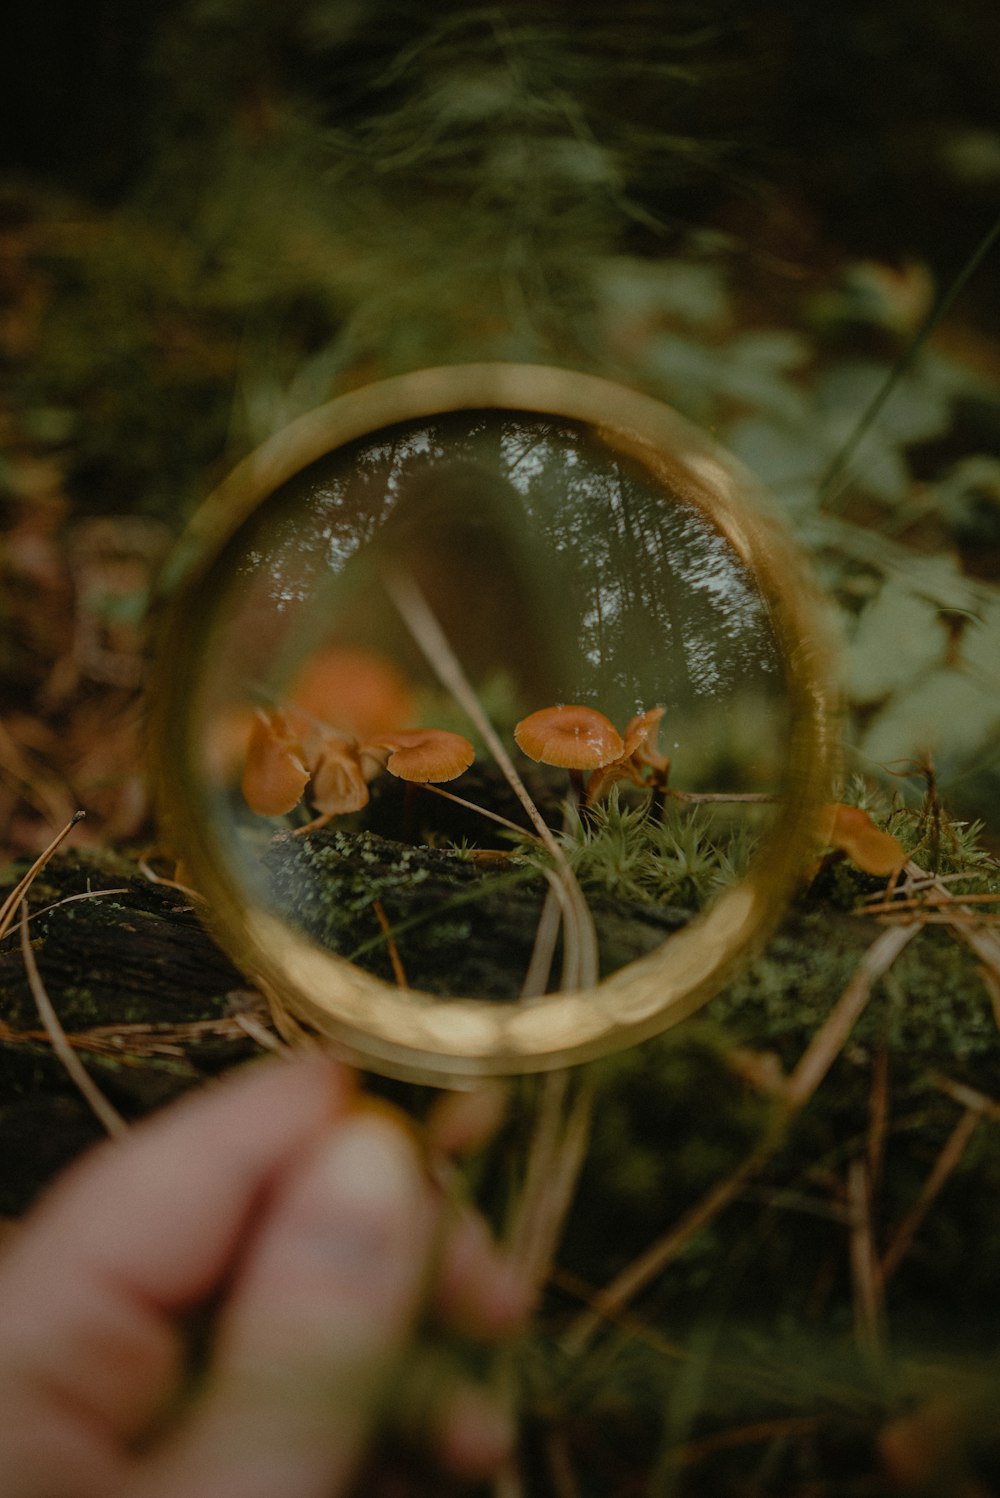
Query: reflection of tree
(541, 550)
(664, 610)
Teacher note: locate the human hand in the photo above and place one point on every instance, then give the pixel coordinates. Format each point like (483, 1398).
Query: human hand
(313, 1231)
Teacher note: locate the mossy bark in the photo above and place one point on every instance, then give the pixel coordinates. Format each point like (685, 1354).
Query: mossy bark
(763, 1297)
(116, 951)
(132, 952)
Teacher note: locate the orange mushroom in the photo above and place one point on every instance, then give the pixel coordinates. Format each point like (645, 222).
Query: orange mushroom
(639, 754)
(852, 831)
(353, 689)
(425, 755)
(640, 740)
(338, 782)
(574, 738)
(571, 737)
(275, 774)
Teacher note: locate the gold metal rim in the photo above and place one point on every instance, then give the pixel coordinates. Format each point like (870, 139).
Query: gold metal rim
(448, 1041)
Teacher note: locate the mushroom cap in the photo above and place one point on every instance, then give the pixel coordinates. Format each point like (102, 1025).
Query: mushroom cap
(338, 783)
(275, 774)
(574, 738)
(354, 689)
(426, 755)
(852, 830)
(640, 739)
(224, 743)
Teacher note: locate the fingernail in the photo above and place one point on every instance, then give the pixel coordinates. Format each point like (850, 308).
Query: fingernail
(370, 1166)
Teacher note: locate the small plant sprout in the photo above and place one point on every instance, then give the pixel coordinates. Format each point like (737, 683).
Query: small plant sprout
(851, 831)
(572, 738)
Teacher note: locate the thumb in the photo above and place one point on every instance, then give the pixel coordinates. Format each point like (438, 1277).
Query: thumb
(313, 1327)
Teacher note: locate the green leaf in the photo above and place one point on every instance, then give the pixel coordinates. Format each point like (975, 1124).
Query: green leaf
(787, 459)
(968, 498)
(772, 349)
(878, 466)
(915, 411)
(750, 371)
(755, 370)
(898, 636)
(694, 294)
(941, 581)
(981, 646)
(947, 715)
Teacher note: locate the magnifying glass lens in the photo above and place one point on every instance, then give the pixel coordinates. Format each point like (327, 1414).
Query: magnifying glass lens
(579, 600)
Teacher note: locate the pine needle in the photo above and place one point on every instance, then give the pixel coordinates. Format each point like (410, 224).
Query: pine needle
(813, 1066)
(482, 811)
(385, 925)
(536, 980)
(416, 614)
(556, 1156)
(866, 1279)
(87, 894)
(946, 1162)
(9, 907)
(830, 1038)
(261, 1035)
(832, 486)
(104, 1111)
(609, 1302)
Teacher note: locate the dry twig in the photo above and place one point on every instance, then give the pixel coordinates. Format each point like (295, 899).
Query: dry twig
(385, 925)
(952, 1152)
(831, 1037)
(104, 1111)
(609, 1302)
(10, 906)
(813, 1066)
(581, 938)
(865, 1277)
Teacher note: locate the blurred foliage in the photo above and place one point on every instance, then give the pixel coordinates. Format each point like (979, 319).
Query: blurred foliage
(322, 194)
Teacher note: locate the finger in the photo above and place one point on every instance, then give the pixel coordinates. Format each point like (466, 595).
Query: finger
(315, 1326)
(444, 1419)
(462, 1122)
(478, 1291)
(144, 1227)
(475, 1436)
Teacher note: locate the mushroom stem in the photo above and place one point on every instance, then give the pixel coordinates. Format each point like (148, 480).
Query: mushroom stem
(408, 821)
(471, 806)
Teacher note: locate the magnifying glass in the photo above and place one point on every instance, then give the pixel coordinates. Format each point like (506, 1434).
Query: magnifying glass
(491, 719)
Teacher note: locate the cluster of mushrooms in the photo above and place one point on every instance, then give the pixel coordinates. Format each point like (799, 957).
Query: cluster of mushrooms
(338, 730)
